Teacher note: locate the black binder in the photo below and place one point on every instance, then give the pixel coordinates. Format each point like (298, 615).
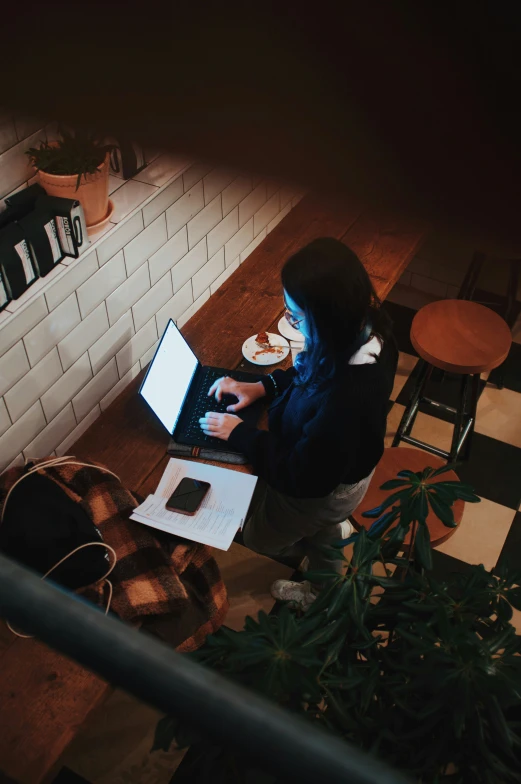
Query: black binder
(5, 297)
(41, 232)
(70, 223)
(18, 265)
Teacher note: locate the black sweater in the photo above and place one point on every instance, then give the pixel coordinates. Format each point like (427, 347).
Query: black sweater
(324, 437)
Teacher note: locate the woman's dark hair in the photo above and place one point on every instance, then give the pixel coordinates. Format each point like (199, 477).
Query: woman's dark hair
(331, 286)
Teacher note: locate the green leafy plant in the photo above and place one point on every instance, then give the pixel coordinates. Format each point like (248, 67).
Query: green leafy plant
(78, 153)
(424, 674)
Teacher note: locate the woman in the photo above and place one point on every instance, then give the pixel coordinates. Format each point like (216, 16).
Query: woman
(327, 417)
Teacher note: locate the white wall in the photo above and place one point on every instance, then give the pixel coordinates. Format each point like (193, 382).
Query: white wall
(71, 345)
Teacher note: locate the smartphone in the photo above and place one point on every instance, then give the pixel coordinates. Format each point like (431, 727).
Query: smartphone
(188, 496)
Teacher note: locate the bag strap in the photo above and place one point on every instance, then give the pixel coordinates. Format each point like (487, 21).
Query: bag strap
(51, 463)
(101, 579)
(59, 461)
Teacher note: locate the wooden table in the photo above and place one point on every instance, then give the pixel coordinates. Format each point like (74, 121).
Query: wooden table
(45, 697)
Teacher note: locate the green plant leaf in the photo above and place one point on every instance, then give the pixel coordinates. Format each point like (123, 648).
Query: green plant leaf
(164, 733)
(380, 526)
(513, 596)
(389, 501)
(391, 484)
(422, 546)
(385, 582)
(320, 575)
(443, 469)
(442, 511)
(412, 476)
(462, 490)
(338, 598)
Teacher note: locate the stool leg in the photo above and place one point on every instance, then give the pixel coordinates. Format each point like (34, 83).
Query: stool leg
(409, 415)
(474, 399)
(461, 418)
(470, 281)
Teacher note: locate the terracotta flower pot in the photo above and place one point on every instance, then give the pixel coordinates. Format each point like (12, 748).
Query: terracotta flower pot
(93, 192)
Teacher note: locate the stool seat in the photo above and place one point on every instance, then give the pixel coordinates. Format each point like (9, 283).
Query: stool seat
(459, 336)
(397, 459)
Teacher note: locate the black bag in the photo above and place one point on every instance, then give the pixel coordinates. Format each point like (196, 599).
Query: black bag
(41, 525)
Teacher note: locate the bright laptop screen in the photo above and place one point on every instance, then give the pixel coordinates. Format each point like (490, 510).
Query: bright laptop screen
(169, 377)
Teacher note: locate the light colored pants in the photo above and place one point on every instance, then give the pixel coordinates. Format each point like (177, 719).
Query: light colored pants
(280, 525)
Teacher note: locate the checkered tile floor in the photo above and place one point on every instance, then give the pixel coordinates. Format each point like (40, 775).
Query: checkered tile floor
(490, 532)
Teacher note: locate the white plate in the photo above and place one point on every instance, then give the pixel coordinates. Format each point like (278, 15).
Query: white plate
(288, 331)
(259, 356)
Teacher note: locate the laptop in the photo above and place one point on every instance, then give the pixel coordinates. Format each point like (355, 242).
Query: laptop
(176, 389)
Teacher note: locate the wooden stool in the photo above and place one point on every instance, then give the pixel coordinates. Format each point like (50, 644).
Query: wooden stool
(459, 337)
(395, 460)
(468, 289)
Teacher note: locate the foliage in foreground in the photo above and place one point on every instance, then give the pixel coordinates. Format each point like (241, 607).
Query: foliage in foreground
(424, 674)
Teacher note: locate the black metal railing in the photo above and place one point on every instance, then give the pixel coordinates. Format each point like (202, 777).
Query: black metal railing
(276, 740)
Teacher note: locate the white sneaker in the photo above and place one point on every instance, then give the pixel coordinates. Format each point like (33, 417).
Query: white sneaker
(298, 595)
(347, 529)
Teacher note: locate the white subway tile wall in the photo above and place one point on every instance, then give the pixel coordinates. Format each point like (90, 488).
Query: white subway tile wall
(189, 265)
(120, 386)
(32, 386)
(163, 200)
(195, 173)
(192, 310)
(215, 182)
(223, 232)
(145, 244)
(100, 285)
(21, 434)
(63, 448)
(204, 221)
(252, 203)
(128, 197)
(235, 193)
(238, 242)
(149, 304)
(78, 272)
(45, 442)
(184, 209)
(171, 252)
(208, 273)
(96, 389)
(130, 291)
(136, 347)
(68, 353)
(225, 275)
(162, 169)
(67, 386)
(5, 422)
(13, 365)
(148, 355)
(48, 333)
(114, 338)
(266, 213)
(175, 307)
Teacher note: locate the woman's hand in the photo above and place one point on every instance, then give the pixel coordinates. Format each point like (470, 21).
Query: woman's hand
(219, 425)
(245, 392)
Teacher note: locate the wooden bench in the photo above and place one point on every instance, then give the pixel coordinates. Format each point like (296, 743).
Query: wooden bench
(44, 697)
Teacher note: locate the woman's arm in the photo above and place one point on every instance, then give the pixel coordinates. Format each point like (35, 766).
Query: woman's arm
(277, 382)
(316, 464)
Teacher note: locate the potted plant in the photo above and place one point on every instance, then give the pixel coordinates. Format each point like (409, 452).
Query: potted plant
(76, 167)
(421, 673)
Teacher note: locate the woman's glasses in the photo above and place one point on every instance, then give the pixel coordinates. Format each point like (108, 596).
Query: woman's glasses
(292, 321)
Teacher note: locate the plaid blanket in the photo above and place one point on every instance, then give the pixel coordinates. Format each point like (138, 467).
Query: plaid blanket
(165, 585)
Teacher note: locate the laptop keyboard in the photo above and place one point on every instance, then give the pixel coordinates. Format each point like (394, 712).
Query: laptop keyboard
(204, 404)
